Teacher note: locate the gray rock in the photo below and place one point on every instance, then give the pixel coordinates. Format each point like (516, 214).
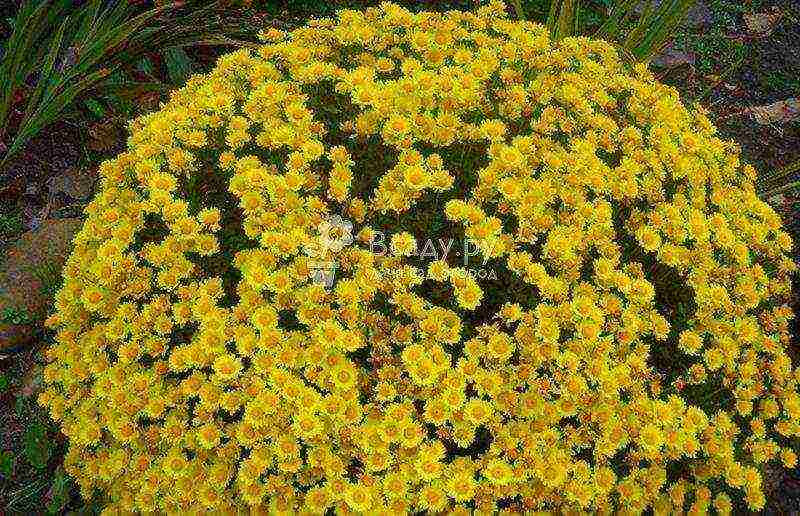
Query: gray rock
(699, 16)
(672, 57)
(33, 263)
(77, 184)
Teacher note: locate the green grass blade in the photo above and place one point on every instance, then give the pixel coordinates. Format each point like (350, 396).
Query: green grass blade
(100, 39)
(50, 110)
(21, 54)
(48, 80)
(621, 11)
(658, 27)
(779, 189)
(563, 18)
(772, 179)
(518, 10)
(637, 32)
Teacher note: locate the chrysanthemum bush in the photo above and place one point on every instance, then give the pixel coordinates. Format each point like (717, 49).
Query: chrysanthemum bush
(628, 350)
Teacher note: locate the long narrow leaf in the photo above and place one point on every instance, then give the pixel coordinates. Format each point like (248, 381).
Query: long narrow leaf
(670, 16)
(658, 27)
(519, 11)
(779, 189)
(99, 37)
(563, 18)
(47, 79)
(621, 11)
(637, 32)
(50, 111)
(772, 179)
(22, 54)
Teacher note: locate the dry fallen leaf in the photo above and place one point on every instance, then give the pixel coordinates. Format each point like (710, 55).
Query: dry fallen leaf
(103, 136)
(778, 112)
(761, 24)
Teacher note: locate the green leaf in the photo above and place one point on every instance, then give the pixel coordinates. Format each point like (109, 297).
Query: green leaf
(100, 37)
(781, 188)
(37, 447)
(46, 113)
(15, 315)
(7, 461)
(21, 54)
(520, 12)
(780, 175)
(95, 107)
(641, 35)
(48, 80)
(146, 67)
(656, 28)
(621, 11)
(179, 66)
(59, 492)
(563, 18)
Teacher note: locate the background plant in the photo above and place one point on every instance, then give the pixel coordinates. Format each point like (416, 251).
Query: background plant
(639, 27)
(57, 54)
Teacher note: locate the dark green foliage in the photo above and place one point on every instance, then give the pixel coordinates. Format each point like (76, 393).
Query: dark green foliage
(563, 18)
(639, 27)
(7, 463)
(37, 447)
(13, 315)
(56, 55)
(179, 66)
(59, 492)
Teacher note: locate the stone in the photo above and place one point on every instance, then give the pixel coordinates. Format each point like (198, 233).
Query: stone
(671, 57)
(34, 263)
(699, 16)
(75, 183)
(31, 264)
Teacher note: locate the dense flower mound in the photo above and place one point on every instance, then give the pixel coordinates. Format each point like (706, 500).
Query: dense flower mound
(560, 290)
